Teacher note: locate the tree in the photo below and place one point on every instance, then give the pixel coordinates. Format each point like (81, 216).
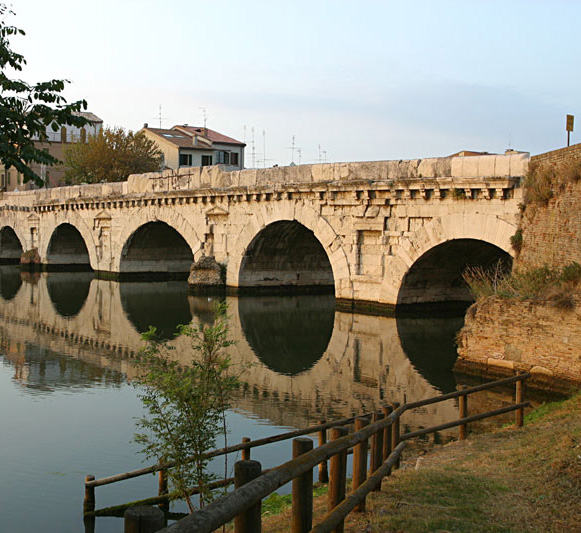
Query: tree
(186, 404)
(27, 110)
(111, 155)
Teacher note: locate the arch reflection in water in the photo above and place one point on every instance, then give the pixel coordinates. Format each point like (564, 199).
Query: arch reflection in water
(430, 345)
(10, 282)
(163, 305)
(288, 334)
(68, 291)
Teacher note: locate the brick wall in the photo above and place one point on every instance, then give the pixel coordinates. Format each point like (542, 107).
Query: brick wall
(556, 156)
(502, 336)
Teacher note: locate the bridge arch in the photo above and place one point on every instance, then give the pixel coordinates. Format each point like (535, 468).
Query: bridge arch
(72, 220)
(11, 247)
(480, 239)
(290, 222)
(67, 247)
(154, 235)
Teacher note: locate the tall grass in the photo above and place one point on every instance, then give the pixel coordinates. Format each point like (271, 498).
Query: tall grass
(545, 180)
(555, 285)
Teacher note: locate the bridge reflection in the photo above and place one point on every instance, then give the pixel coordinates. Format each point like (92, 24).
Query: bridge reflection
(307, 360)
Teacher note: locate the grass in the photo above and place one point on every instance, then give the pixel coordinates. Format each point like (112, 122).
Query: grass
(546, 180)
(509, 480)
(554, 285)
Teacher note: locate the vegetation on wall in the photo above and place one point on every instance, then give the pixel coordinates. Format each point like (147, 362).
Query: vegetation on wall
(545, 180)
(545, 284)
(111, 155)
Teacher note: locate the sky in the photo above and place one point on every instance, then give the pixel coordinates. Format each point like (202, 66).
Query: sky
(351, 81)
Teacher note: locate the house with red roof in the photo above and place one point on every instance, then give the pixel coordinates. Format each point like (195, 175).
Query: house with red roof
(190, 146)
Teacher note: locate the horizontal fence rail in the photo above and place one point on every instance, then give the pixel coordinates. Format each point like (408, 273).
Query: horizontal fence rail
(376, 440)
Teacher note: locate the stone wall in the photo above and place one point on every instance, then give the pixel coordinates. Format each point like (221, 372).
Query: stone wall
(501, 337)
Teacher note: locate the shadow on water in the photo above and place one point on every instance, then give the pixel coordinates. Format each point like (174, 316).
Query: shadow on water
(68, 291)
(10, 282)
(290, 334)
(163, 305)
(429, 341)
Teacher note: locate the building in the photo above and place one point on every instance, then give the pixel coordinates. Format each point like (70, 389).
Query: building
(55, 143)
(189, 146)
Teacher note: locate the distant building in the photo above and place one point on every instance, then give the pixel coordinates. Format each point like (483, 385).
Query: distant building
(189, 146)
(54, 143)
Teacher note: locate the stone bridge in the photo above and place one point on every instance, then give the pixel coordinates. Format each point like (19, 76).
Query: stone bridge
(390, 232)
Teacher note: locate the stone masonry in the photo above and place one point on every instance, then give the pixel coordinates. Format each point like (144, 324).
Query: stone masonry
(359, 227)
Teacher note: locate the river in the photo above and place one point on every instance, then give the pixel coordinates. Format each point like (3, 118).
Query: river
(67, 342)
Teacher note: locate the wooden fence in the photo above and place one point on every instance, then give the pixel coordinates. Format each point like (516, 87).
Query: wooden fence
(376, 441)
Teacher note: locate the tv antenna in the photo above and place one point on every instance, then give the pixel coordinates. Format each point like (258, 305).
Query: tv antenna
(160, 117)
(299, 151)
(292, 149)
(253, 151)
(204, 115)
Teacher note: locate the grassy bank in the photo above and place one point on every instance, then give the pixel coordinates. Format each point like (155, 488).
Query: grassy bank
(513, 480)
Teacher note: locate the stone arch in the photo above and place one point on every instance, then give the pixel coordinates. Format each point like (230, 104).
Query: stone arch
(11, 247)
(67, 247)
(330, 241)
(77, 222)
(167, 216)
(488, 229)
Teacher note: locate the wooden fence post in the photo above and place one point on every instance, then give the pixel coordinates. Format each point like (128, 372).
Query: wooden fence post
(302, 502)
(323, 472)
(377, 448)
(338, 476)
(360, 461)
(143, 519)
(519, 398)
(162, 488)
(395, 434)
(89, 501)
(463, 413)
(249, 520)
(246, 451)
(387, 410)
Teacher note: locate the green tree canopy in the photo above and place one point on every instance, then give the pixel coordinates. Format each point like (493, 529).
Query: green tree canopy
(26, 110)
(111, 155)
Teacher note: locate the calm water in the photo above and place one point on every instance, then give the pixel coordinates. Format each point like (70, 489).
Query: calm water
(67, 406)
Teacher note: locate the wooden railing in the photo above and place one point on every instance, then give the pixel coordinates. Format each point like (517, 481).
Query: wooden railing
(375, 441)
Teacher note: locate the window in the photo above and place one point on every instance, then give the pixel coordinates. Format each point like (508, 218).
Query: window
(234, 158)
(223, 158)
(63, 134)
(185, 160)
(206, 160)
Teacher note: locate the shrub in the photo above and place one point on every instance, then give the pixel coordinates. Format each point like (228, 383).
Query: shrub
(516, 241)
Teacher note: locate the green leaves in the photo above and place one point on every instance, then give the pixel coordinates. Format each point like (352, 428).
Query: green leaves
(26, 110)
(185, 404)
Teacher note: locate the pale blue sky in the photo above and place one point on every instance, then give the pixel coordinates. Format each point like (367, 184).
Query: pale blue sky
(366, 80)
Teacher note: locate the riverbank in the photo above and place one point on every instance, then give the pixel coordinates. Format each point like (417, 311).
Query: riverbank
(511, 479)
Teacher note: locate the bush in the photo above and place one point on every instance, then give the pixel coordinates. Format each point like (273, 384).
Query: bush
(516, 241)
(555, 285)
(544, 180)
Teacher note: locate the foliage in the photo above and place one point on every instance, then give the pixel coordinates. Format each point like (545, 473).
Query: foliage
(545, 180)
(545, 283)
(458, 194)
(27, 110)
(185, 404)
(111, 155)
(516, 241)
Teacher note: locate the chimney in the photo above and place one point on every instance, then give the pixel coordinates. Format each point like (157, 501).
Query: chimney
(195, 140)
(146, 125)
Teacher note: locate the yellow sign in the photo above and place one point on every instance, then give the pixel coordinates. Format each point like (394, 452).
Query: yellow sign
(570, 120)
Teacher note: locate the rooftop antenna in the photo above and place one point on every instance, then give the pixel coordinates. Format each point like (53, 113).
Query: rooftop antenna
(160, 117)
(299, 152)
(253, 151)
(319, 153)
(205, 116)
(292, 149)
(244, 138)
(509, 141)
(325, 155)
(263, 149)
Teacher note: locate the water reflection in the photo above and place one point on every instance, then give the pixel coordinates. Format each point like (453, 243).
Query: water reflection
(10, 282)
(68, 291)
(289, 335)
(430, 344)
(163, 305)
